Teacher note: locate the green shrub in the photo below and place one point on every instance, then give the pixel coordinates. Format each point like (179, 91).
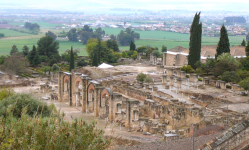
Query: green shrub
(5, 93)
(187, 76)
(51, 133)
(187, 69)
(20, 101)
(199, 79)
(230, 76)
(228, 86)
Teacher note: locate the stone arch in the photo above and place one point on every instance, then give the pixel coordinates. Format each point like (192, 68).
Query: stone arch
(106, 91)
(66, 79)
(105, 97)
(90, 88)
(66, 83)
(77, 81)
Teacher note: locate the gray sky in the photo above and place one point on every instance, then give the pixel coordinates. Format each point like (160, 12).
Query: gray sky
(92, 5)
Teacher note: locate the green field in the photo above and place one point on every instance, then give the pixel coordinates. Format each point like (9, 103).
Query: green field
(41, 24)
(6, 44)
(11, 33)
(152, 38)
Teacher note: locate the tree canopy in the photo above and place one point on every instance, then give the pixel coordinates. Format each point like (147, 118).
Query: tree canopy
(48, 47)
(49, 33)
(125, 37)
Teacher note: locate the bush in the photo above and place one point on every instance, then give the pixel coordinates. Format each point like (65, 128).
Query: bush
(5, 93)
(20, 101)
(228, 86)
(244, 83)
(141, 77)
(187, 69)
(230, 76)
(199, 79)
(50, 133)
(81, 62)
(187, 76)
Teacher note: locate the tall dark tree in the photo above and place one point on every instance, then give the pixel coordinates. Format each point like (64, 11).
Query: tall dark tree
(25, 50)
(243, 43)
(95, 59)
(49, 33)
(223, 45)
(247, 49)
(195, 41)
(71, 60)
(32, 56)
(13, 50)
(36, 60)
(132, 46)
(98, 50)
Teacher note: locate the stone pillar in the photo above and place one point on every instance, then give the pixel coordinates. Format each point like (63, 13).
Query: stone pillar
(147, 86)
(171, 81)
(217, 84)
(60, 86)
(183, 74)
(223, 85)
(205, 81)
(169, 71)
(164, 59)
(178, 74)
(164, 81)
(130, 107)
(96, 101)
(179, 82)
(193, 78)
(139, 56)
(84, 95)
(155, 88)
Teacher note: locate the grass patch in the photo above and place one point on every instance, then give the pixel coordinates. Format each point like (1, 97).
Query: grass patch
(11, 33)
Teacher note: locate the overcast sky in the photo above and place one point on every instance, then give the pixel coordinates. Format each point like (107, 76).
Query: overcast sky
(86, 5)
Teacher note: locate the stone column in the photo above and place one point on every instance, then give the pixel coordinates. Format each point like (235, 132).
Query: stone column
(223, 85)
(179, 82)
(164, 59)
(60, 86)
(147, 86)
(84, 95)
(169, 71)
(155, 88)
(171, 81)
(178, 73)
(96, 101)
(205, 81)
(193, 78)
(183, 74)
(164, 81)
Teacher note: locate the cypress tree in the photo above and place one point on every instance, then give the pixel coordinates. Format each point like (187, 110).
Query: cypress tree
(95, 59)
(131, 46)
(247, 49)
(195, 41)
(32, 55)
(36, 60)
(25, 50)
(223, 45)
(71, 60)
(243, 43)
(99, 50)
(13, 50)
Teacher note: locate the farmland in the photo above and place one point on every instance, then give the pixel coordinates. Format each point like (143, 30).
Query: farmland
(152, 38)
